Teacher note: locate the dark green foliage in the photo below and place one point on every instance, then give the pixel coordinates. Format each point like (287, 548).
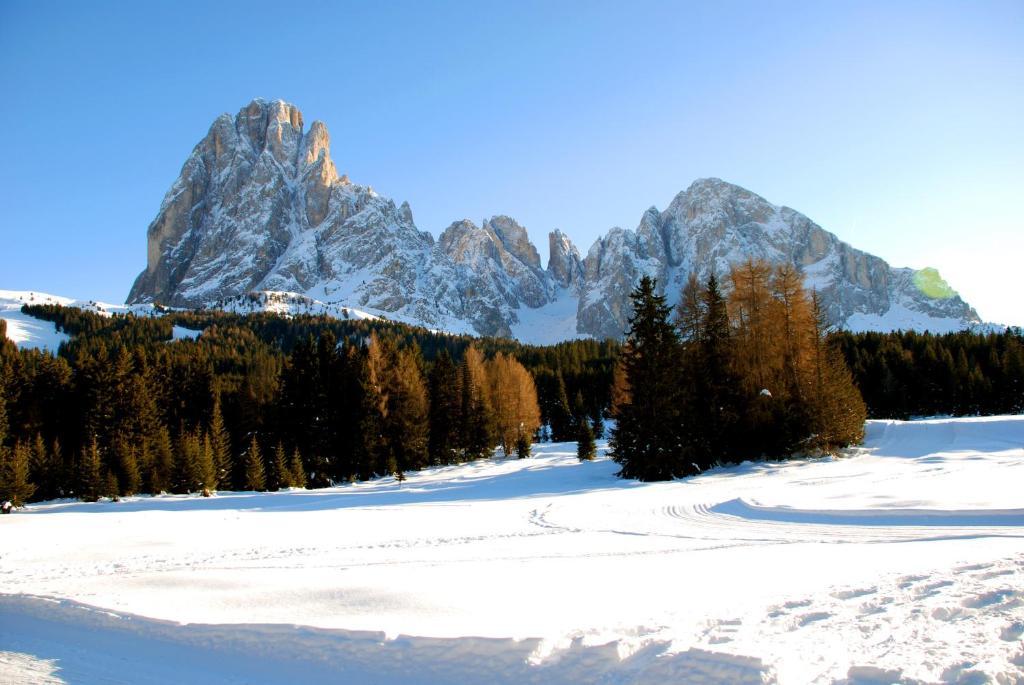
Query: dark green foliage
(445, 442)
(297, 472)
(522, 447)
(645, 438)
(255, 473)
(280, 473)
(586, 450)
(15, 485)
(89, 473)
(910, 374)
(120, 396)
(559, 413)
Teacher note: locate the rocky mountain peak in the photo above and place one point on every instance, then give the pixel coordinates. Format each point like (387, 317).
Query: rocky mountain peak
(259, 206)
(564, 263)
(514, 239)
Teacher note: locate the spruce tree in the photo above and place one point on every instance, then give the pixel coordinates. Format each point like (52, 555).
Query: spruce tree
(207, 467)
(89, 472)
(45, 470)
(127, 467)
(522, 447)
(296, 470)
(561, 413)
(406, 426)
(14, 480)
(713, 406)
(255, 474)
(445, 440)
(374, 456)
(586, 448)
(220, 442)
(281, 474)
(645, 438)
(187, 475)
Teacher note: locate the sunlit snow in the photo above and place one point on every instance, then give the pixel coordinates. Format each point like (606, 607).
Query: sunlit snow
(900, 562)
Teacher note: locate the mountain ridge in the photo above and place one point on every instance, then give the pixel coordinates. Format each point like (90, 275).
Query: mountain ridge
(259, 206)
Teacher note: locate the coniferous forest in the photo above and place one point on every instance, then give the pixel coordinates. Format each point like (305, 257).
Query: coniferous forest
(740, 370)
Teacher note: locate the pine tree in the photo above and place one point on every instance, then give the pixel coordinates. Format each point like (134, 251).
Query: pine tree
(406, 426)
(110, 487)
(281, 474)
(561, 413)
(206, 466)
(522, 447)
(374, 455)
(645, 438)
(586, 449)
(14, 479)
(255, 474)
(220, 442)
(187, 474)
(297, 470)
(89, 472)
(715, 404)
(162, 471)
(44, 469)
(126, 457)
(444, 411)
(837, 408)
(475, 410)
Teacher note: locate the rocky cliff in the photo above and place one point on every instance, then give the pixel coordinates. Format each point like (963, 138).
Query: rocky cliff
(259, 206)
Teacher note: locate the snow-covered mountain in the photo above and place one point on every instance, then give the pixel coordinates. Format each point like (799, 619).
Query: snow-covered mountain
(259, 206)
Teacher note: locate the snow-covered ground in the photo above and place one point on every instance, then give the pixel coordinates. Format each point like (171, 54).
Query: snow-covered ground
(29, 332)
(903, 562)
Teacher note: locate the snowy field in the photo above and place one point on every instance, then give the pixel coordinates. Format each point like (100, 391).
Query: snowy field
(903, 562)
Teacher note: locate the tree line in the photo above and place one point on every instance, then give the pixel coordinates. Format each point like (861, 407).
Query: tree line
(261, 401)
(908, 374)
(252, 404)
(751, 374)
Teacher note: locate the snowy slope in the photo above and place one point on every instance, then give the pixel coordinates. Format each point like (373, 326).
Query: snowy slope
(29, 332)
(902, 563)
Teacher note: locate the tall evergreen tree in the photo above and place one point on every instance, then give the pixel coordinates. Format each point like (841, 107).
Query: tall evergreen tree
(220, 442)
(561, 412)
(129, 475)
(280, 474)
(207, 465)
(44, 469)
(14, 475)
(89, 472)
(406, 421)
(297, 470)
(586, 449)
(374, 456)
(444, 410)
(255, 473)
(645, 438)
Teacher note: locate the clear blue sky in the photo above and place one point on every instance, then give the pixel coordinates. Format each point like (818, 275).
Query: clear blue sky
(896, 125)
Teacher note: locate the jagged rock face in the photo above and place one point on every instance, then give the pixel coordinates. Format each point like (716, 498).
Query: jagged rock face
(259, 206)
(714, 224)
(564, 264)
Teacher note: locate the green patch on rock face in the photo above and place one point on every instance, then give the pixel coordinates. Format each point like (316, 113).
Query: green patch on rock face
(929, 282)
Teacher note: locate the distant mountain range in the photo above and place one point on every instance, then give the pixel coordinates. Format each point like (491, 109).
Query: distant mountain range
(259, 207)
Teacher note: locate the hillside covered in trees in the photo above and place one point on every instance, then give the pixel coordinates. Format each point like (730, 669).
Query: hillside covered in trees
(262, 401)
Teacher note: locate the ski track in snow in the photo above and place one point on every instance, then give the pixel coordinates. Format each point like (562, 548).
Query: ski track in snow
(902, 562)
